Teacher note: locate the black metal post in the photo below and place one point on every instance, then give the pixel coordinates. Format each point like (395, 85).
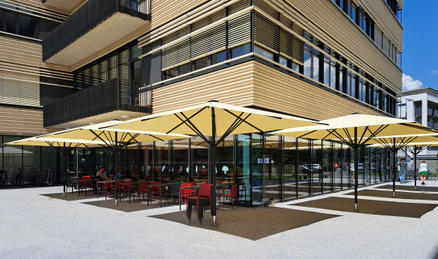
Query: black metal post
(309, 169)
(190, 161)
(356, 168)
(296, 168)
(153, 161)
(169, 160)
(65, 170)
(394, 161)
(212, 164)
(281, 171)
(116, 194)
(321, 172)
(139, 160)
(415, 167)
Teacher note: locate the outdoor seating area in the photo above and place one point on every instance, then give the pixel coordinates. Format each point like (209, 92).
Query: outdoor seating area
(245, 174)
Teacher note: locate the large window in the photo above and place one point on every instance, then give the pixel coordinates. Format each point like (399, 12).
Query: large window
(122, 63)
(357, 15)
(418, 111)
(329, 72)
(25, 25)
(432, 115)
(311, 62)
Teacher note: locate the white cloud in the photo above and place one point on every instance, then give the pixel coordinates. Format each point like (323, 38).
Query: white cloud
(410, 84)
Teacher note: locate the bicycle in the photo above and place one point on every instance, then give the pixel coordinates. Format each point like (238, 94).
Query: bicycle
(3, 178)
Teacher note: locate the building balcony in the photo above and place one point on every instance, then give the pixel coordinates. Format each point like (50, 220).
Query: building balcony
(93, 27)
(116, 99)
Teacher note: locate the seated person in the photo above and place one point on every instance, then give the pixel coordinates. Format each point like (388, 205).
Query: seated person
(135, 174)
(101, 173)
(119, 174)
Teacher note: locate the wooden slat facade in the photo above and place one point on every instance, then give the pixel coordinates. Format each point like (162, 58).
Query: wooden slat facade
(232, 85)
(384, 18)
(37, 8)
(253, 83)
(25, 57)
(324, 20)
(26, 122)
(278, 91)
(165, 10)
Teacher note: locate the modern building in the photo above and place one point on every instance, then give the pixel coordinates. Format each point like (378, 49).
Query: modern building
(104, 60)
(421, 105)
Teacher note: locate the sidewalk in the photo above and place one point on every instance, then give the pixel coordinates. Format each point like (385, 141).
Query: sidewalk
(35, 226)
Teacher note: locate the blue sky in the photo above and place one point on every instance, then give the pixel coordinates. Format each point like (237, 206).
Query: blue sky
(420, 39)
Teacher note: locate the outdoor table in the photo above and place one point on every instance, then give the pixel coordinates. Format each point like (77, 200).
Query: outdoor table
(161, 185)
(128, 184)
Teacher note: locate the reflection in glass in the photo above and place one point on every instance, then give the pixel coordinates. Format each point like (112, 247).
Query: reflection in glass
(271, 167)
(303, 168)
(244, 167)
(289, 171)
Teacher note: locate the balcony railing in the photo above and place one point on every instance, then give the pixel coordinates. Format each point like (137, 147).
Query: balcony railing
(116, 94)
(90, 15)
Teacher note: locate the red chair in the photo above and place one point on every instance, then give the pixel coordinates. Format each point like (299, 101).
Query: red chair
(143, 187)
(155, 190)
(125, 188)
(203, 194)
(185, 193)
(232, 196)
(106, 187)
(85, 183)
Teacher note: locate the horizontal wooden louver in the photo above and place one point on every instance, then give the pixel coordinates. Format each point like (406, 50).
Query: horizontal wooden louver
(239, 30)
(286, 40)
(378, 37)
(176, 54)
(266, 33)
(234, 8)
(298, 45)
(209, 41)
(19, 90)
(208, 20)
(266, 8)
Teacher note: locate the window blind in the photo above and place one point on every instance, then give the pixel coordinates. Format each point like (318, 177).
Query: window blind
(266, 32)
(239, 30)
(298, 45)
(176, 54)
(208, 41)
(19, 90)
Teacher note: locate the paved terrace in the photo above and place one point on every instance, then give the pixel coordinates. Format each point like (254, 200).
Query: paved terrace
(35, 226)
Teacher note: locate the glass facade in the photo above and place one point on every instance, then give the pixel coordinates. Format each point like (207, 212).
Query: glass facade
(265, 167)
(28, 166)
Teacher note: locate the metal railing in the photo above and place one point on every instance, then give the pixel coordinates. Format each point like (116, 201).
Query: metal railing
(116, 94)
(90, 15)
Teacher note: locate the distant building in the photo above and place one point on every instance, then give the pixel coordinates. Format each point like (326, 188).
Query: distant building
(421, 105)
